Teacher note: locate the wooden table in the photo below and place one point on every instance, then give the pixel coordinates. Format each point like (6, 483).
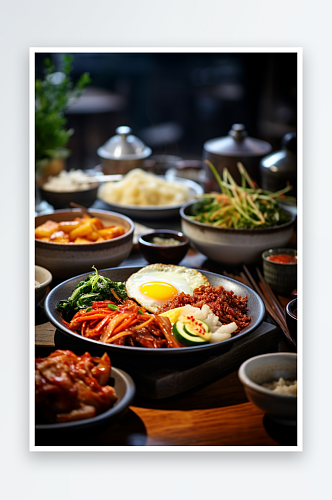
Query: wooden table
(216, 413)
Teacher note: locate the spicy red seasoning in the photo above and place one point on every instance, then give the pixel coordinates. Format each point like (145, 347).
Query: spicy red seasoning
(283, 258)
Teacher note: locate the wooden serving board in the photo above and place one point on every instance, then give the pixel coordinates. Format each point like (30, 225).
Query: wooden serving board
(170, 376)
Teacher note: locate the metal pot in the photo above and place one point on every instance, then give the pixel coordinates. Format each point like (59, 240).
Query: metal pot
(226, 152)
(280, 168)
(123, 152)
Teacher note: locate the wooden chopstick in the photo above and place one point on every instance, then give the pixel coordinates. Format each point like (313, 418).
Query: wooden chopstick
(234, 277)
(274, 300)
(276, 316)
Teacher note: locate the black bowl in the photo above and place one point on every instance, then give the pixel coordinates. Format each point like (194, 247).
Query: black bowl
(291, 318)
(166, 254)
(256, 311)
(86, 197)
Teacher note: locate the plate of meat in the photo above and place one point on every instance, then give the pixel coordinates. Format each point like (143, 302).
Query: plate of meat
(75, 392)
(158, 310)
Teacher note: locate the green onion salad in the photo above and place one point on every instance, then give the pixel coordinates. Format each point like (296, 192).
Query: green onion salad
(244, 206)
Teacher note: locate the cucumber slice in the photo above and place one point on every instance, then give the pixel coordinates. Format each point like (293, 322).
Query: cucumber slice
(198, 327)
(185, 338)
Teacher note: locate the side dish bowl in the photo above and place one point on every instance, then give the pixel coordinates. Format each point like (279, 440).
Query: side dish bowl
(125, 390)
(266, 368)
(67, 260)
(256, 311)
(233, 246)
(291, 318)
(281, 277)
(154, 211)
(166, 254)
(44, 278)
(60, 200)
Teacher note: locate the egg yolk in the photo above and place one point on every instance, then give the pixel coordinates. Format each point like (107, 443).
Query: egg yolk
(158, 290)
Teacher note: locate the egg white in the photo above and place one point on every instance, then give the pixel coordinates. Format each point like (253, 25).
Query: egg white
(183, 279)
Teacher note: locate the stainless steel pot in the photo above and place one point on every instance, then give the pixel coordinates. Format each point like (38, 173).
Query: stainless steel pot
(226, 152)
(123, 152)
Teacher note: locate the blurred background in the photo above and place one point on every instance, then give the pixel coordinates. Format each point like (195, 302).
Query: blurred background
(174, 102)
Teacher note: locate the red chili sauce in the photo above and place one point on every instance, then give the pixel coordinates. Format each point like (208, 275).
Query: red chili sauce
(283, 258)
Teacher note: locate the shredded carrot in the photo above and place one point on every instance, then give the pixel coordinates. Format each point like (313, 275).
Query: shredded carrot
(125, 324)
(102, 323)
(90, 317)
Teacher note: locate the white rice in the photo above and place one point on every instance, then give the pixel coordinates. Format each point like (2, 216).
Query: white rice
(66, 182)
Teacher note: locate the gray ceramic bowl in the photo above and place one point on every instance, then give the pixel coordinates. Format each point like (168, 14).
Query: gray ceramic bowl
(44, 278)
(282, 278)
(66, 261)
(233, 246)
(85, 197)
(153, 212)
(266, 368)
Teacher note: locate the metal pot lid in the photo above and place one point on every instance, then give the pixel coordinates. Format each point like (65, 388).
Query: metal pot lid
(237, 143)
(124, 146)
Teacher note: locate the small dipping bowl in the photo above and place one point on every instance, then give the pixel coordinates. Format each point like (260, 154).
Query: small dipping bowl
(258, 370)
(291, 318)
(165, 254)
(281, 277)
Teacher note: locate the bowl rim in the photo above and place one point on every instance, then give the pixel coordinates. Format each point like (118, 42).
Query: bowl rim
(93, 186)
(171, 232)
(288, 310)
(247, 382)
(264, 230)
(87, 245)
(47, 281)
(276, 251)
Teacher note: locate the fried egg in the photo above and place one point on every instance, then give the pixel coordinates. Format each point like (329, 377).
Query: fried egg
(153, 286)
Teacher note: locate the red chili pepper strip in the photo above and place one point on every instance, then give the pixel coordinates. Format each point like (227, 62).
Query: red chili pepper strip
(101, 303)
(98, 311)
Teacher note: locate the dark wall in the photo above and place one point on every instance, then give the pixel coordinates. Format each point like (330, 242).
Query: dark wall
(194, 96)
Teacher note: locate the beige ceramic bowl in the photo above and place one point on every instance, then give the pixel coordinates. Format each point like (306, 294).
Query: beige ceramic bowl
(66, 261)
(233, 246)
(44, 278)
(266, 368)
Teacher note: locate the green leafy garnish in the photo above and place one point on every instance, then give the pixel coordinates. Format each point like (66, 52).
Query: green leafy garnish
(112, 307)
(94, 288)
